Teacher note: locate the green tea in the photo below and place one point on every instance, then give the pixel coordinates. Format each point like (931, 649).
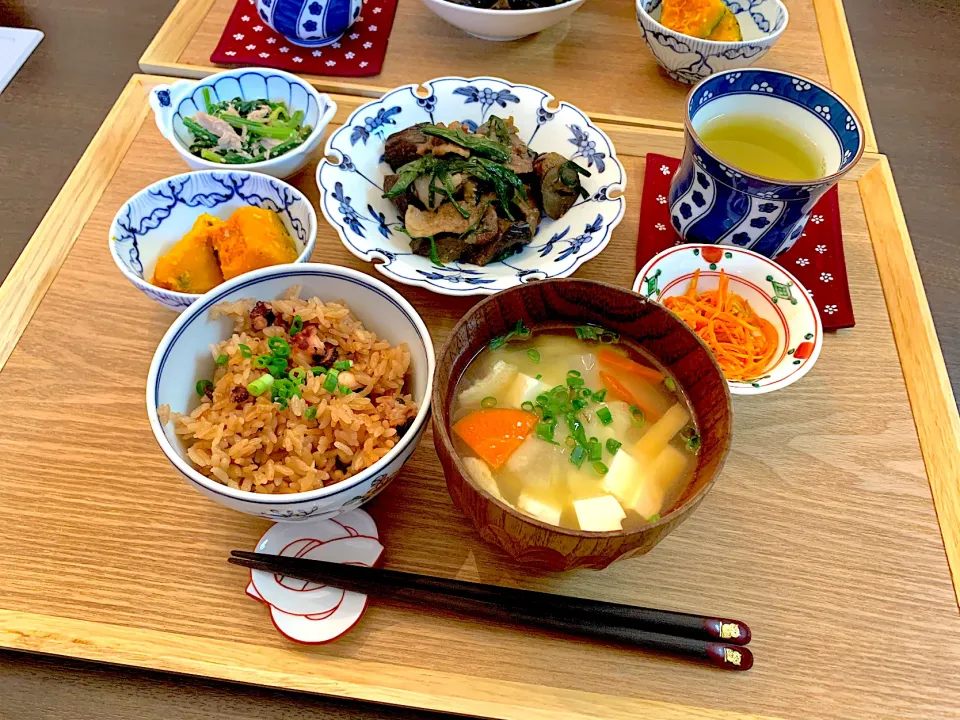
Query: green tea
(763, 146)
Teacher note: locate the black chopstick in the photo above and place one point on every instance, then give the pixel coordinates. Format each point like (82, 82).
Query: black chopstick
(659, 630)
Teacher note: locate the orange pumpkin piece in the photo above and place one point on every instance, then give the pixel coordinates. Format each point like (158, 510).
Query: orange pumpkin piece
(191, 266)
(696, 18)
(253, 238)
(494, 434)
(728, 29)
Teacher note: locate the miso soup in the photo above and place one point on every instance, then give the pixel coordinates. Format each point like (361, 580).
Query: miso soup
(576, 428)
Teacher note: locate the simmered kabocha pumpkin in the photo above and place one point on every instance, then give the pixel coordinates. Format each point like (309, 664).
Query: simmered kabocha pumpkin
(251, 239)
(728, 29)
(191, 265)
(696, 18)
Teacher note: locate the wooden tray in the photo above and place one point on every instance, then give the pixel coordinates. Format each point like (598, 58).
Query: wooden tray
(595, 60)
(821, 532)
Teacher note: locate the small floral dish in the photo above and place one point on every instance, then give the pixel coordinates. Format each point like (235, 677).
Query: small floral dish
(351, 192)
(147, 225)
(184, 354)
(775, 295)
(689, 59)
(310, 23)
(501, 25)
(184, 98)
(306, 612)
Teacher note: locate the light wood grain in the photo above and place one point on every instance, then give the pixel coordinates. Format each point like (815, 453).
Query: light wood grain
(934, 406)
(821, 526)
(40, 260)
(596, 60)
(842, 63)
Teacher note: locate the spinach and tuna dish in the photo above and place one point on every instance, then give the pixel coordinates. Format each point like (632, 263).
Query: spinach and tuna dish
(239, 132)
(475, 196)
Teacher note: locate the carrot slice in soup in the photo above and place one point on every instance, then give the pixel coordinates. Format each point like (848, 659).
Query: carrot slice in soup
(633, 394)
(495, 433)
(615, 362)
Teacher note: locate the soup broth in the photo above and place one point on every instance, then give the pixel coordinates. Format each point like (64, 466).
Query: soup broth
(575, 428)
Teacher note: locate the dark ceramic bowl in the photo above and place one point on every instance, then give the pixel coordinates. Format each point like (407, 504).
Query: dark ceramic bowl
(578, 302)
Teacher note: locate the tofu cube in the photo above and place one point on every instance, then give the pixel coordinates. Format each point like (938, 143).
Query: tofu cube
(599, 514)
(539, 509)
(523, 389)
(625, 479)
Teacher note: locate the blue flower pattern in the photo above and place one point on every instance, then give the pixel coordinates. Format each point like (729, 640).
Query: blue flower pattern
(164, 97)
(574, 244)
(486, 97)
(374, 125)
(350, 216)
(586, 148)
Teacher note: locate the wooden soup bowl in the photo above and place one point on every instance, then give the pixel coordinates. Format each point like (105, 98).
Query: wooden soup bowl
(578, 302)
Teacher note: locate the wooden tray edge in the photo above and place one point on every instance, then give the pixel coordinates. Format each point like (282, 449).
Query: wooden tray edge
(932, 401)
(842, 62)
(293, 669)
(162, 57)
(47, 249)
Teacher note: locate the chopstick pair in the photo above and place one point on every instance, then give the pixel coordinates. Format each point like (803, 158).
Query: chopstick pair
(718, 641)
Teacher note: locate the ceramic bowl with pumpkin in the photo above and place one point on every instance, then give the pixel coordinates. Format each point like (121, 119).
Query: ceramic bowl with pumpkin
(559, 310)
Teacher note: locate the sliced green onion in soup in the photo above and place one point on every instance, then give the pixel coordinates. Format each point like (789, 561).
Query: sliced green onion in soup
(595, 450)
(574, 381)
(571, 441)
(534, 355)
(261, 384)
(545, 431)
(693, 444)
(600, 395)
(669, 384)
(578, 456)
(245, 350)
(488, 402)
(578, 404)
(585, 332)
(539, 377)
(654, 517)
(637, 416)
(609, 337)
(202, 386)
(296, 326)
(527, 406)
(600, 468)
(604, 415)
(573, 373)
(310, 413)
(222, 359)
(613, 445)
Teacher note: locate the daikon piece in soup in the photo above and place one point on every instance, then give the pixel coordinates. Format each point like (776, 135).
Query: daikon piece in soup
(576, 428)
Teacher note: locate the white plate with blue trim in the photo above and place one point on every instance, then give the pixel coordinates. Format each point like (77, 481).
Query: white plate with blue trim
(351, 184)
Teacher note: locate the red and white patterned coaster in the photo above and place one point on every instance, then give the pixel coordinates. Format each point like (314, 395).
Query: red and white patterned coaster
(247, 40)
(816, 259)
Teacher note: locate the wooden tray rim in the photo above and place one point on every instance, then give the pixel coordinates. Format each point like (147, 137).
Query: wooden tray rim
(928, 389)
(162, 57)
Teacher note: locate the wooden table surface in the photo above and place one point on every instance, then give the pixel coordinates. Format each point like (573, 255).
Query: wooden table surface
(53, 107)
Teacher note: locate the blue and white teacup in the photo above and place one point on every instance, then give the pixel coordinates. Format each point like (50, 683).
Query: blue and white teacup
(310, 23)
(713, 202)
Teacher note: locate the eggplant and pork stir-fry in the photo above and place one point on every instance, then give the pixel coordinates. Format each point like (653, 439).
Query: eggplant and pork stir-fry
(475, 197)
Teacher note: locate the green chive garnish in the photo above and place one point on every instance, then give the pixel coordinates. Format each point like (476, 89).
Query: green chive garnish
(600, 468)
(344, 390)
(578, 404)
(578, 456)
(595, 450)
(279, 347)
(318, 370)
(296, 326)
(330, 383)
(669, 384)
(654, 517)
(605, 416)
(574, 381)
(261, 384)
(299, 374)
(202, 386)
(245, 350)
(310, 413)
(222, 359)
(613, 446)
(527, 406)
(600, 395)
(545, 430)
(693, 444)
(539, 377)
(488, 402)
(573, 373)
(636, 414)
(585, 332)
(534, 355)
(343, 365)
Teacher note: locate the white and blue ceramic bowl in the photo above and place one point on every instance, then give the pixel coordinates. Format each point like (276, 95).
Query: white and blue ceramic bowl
(183, 356)
(502, 25)
(147, 225)
(351, 191)
(711, 202)
(184, 98)
(689, 59)
(310, 23)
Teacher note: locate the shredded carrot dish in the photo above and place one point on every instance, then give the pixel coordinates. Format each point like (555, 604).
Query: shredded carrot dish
(743, 342)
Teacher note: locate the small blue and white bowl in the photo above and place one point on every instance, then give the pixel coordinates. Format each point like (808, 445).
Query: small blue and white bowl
(351, 190)
(147, 225)
(184, 98)
(183, 356)
(712, 202)
(310, 23)
(689, 59)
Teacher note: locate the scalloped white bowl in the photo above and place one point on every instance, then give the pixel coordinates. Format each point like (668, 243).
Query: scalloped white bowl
(501, 25)
(351, 194)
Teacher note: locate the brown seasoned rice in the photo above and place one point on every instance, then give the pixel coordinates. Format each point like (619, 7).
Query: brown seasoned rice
(257, 445)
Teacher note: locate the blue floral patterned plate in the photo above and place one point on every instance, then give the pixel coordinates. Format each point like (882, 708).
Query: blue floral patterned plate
(369, 225)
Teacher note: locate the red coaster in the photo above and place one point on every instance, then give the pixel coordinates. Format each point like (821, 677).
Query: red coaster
(247, 40)
(816, 259)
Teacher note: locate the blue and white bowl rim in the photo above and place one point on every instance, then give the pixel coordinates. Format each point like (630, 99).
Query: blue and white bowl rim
(217, 295)
(827, 179)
